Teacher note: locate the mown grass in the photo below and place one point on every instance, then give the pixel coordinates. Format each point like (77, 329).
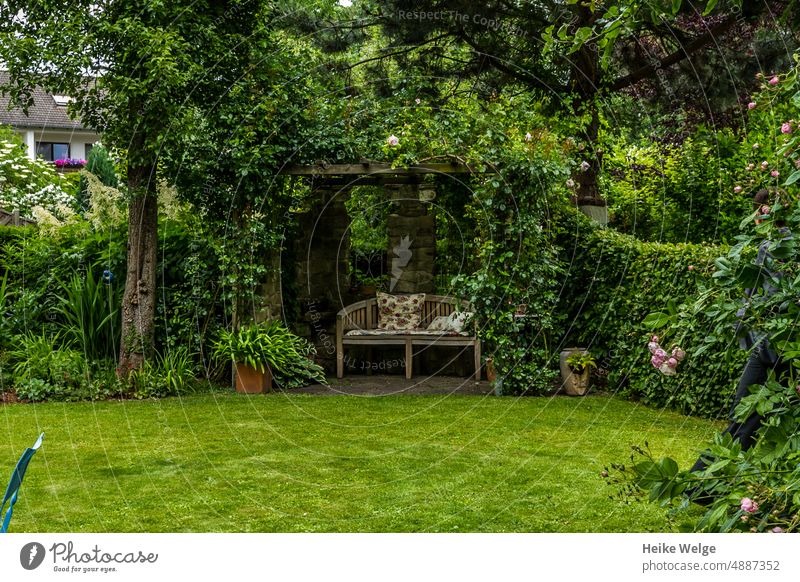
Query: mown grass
(296, 463)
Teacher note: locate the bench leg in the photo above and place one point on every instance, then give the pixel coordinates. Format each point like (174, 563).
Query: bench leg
(477, 360)
(340, 363)
(409, 359)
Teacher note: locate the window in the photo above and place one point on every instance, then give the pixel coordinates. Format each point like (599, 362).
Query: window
(88, 147)
(52, 151)
(62, 100)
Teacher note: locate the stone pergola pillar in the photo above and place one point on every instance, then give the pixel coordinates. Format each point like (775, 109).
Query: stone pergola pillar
(412, 241)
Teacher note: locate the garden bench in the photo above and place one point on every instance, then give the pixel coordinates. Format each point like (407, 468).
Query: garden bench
(357, 325)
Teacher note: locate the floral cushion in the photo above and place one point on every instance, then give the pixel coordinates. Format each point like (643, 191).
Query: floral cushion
(440, 323)
(400, 312)
(456, 321)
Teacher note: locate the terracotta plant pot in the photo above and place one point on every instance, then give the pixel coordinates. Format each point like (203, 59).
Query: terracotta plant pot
(252, 381)
(573, 383)
(491, 375)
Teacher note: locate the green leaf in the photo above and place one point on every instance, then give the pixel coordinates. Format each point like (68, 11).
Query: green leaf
(709, 7)
(676, 6)
(794, 177)
(657, 320)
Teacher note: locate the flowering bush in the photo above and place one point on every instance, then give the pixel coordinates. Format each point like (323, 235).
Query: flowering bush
(25, 183)
(665, 363)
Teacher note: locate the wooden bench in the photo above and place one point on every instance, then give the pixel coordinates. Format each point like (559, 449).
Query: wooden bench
(363, 316)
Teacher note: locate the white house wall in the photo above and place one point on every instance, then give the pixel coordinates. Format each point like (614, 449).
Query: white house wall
(77, 140)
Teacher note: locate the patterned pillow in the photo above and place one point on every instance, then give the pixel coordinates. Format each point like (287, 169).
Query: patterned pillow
(400, 311)
(457, 319)
(440, 323)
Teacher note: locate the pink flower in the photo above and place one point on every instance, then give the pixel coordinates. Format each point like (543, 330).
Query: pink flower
(672, 363)
(764, 210)
(797, 389)
(774, 173)
(652, 346)
(748, 505)
(786, 128)
(737, 189)
(678, 353)
(654, 338)
(751, 105)
(393, 140)
(777, 529)
(660, 353)
(774, 80)
(656, 361)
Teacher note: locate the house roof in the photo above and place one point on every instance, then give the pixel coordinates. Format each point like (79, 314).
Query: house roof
(43, 114)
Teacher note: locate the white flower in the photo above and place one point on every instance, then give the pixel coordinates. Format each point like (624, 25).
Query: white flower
(584, 166)
(570, 183)
(528, 136)
(393, 140)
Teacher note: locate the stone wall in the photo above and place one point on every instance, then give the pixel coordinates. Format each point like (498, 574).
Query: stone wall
(412, 241)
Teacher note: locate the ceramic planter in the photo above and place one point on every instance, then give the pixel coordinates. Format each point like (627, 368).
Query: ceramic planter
(574, 384)
(252, 381)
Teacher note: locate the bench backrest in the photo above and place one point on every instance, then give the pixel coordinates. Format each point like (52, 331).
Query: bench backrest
(364, 314)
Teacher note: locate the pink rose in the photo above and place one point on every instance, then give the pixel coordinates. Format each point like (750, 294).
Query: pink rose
(737, 189)
(652, 346)
(656, 361)
(774, 80)
(774, 173)
(660, 353)
(690, 267)
(672, 363)
(751, 105)
(678, 353)
(654, 338)
(777, 529)
(748, 505)
(786, 128)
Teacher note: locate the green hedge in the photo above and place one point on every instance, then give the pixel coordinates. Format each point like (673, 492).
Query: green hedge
(614, 281)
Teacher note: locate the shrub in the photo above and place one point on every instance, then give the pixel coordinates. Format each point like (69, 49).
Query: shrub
(90, 313)
(44, 371)
(171, 374)
(613, 282)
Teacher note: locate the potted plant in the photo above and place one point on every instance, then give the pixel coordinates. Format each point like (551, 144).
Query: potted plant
(248, 349)
(267, 351)
(576, 365)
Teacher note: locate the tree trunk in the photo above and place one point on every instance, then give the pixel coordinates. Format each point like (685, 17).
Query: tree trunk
(585, 83)
(139, 299)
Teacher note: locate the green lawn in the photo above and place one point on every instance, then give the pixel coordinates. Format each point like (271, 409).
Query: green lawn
(230, 463)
